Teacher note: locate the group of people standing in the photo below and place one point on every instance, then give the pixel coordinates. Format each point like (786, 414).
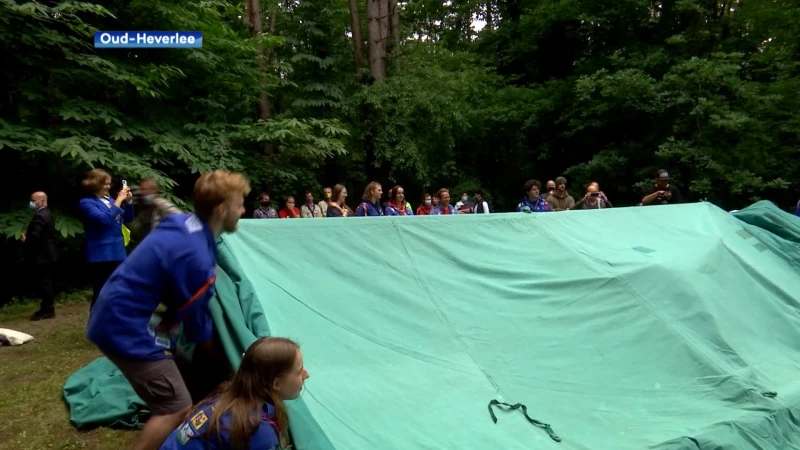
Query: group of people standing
(334, 204)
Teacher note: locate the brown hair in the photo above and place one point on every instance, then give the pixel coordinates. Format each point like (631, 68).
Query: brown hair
(264, 361)
(442, 191)
(370, 187)
(393, 193)
(95, 180)
(336, 192)
(215, 188)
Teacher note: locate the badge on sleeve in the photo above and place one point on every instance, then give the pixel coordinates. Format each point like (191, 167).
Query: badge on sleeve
(185, 433)
(199, 420)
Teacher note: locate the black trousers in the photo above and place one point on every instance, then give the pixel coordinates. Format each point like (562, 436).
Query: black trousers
(43, 275)
(98, 274)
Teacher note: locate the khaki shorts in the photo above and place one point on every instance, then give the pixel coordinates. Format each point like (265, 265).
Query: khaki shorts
(157, 382)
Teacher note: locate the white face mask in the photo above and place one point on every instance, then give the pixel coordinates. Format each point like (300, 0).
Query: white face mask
(464, 199)
(427, 203)
(32, 205)
(147, 198)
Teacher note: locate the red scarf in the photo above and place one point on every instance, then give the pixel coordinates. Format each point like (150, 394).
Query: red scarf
(400, 209)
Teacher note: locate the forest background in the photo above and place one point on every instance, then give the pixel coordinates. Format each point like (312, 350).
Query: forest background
(462, 94)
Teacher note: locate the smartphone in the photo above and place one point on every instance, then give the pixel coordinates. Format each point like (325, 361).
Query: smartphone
(124, 184)
(595, 194)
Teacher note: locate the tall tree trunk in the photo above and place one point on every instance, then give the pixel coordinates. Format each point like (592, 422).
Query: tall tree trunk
(256, 29)
(394, 22)
(489, 16)
(358, 42)
(377, 29)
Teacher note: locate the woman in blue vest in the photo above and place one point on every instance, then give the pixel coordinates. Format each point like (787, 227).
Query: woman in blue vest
(370, 202)
(102, 220)
(248, 411)
(397, 205)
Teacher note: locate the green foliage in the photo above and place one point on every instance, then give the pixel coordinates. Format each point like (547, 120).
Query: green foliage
(167, 114)
(594, 90)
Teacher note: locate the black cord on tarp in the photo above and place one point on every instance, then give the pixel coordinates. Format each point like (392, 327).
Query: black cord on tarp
(546, 427)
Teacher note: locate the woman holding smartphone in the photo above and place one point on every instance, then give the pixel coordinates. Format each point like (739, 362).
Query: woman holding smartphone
(102, 220)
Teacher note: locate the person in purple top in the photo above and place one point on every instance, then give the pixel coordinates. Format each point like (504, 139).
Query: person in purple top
(163, 287)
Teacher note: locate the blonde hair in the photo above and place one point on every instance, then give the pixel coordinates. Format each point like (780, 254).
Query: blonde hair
(215, 188)
(370, 187)
(95, 180)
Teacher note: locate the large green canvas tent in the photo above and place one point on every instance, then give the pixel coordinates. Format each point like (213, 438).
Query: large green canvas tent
(670, 327)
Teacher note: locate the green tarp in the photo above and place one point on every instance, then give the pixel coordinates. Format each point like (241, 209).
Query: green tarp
(670, 327)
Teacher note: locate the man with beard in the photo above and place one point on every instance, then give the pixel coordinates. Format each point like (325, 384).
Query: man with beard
(662, 192)
(265, 209)
(560, 200)
(167, 282)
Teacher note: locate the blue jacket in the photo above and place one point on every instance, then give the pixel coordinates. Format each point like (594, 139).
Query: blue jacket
(103, 228)
(367, 208)
(439, 211)
(190, 435)
(167, 281)
(540, 205)
(392, 210)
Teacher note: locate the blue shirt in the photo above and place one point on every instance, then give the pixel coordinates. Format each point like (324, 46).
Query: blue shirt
(393, 210)
(539, 205)
(166, 281)
(367, 208)
(190, 435)
(438, 210)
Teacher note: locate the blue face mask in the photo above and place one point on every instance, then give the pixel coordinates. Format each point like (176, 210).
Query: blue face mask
(32, 205)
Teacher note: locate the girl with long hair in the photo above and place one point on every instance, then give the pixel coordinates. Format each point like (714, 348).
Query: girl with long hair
(337, 206)
(397, 205)
(247, 412)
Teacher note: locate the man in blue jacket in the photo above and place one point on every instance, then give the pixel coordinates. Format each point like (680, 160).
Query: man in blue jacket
(167, 282)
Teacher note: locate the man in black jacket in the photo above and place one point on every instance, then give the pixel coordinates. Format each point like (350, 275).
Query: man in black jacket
(40, 254)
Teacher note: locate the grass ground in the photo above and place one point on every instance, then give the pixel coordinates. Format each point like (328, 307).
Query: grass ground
(33, 415)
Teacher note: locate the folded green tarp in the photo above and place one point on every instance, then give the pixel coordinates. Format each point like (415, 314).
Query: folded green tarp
(670, 327)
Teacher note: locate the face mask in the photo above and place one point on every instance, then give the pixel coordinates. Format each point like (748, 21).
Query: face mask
(32, 205)
(464, 199)
(264, 202)
(327, 195)
(427, 203)
(147, 198)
